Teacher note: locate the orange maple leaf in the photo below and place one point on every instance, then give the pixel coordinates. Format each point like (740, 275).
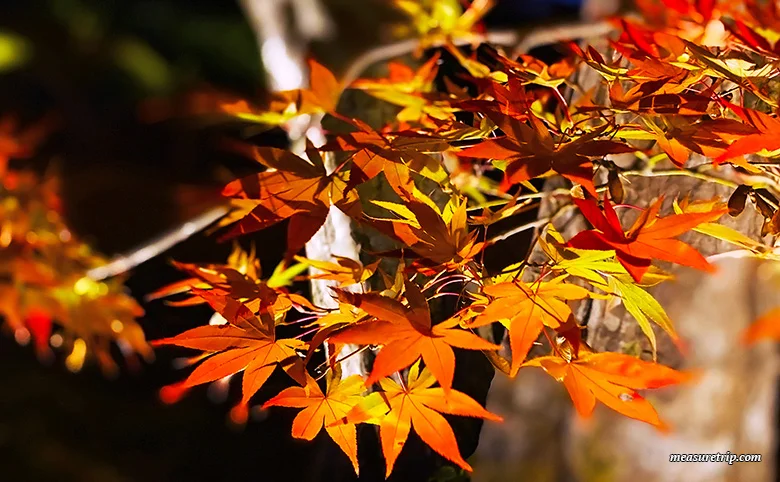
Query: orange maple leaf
(650, 237)
(396, 154)
(449, 244)
(211, 279)
(345, 271)
(413, 91)
(706, 136)
(407, 335)
(293, 189)
(753, 39)
(399, 408)
(247, 344)
(239, 279)
(767, 138)
(531, 151)
(766, 327)
(611, 378)
(321, 97)
(324, 409)
(525, 309)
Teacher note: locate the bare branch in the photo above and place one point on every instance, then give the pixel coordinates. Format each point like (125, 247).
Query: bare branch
(126, 262)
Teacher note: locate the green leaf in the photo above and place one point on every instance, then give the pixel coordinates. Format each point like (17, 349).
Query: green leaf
(284, 276)
(643, 307)
(15, 51)
(144, 64)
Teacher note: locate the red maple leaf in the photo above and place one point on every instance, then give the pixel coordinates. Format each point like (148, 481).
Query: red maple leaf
(650, 237)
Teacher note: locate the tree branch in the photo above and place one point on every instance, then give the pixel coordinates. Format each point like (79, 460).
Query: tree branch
(150, 249)
(522, 40)
(282, 54)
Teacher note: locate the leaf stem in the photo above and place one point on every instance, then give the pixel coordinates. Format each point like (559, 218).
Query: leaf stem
(682, 172)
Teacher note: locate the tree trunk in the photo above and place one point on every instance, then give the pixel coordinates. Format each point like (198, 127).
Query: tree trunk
(730, 406)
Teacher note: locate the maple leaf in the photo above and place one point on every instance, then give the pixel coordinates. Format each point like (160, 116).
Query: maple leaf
(437, 21)
(678, 137)
(723, 232)
(589, 265)
(440, 238)
(611, 378)
(406, 334)
(766, 327)
(638, 38)
(396, 154)
(247, 344)
(530, 151)
(329, 324)
(641, 101)
(416, 404)
(346, 271)
(511, 208)
(767, 138)
(239, 279)
(610, 71)
(766, 14)
(212, 278)
(601, 270)
(534, 71)
(753, 39)
(650, 237)
(413, 91)
(525, 309)
(705, 8)
(499, 97)
(736, 69)
(324, 410)
(293, 189)
(45, 289)
(322, 97)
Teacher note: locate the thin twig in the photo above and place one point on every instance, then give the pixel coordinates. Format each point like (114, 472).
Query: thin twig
(524, 227)
(407, 46)
(559, 33)
(536, 37)
(682, 172)
(150, 249)
(522, 197)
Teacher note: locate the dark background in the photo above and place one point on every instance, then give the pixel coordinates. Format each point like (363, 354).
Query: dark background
(93, 63)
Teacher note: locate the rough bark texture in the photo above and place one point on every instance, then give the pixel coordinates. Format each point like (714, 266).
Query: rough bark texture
(282, 52)
(731, 406)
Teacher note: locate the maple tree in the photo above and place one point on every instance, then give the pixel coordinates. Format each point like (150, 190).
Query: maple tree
(688, 92)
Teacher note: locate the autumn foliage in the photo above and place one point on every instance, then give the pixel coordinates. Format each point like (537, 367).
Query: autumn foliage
(45, 296)
(689, 89)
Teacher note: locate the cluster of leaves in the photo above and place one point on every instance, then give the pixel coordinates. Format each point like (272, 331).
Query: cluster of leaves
(45, 294)
(693, 85)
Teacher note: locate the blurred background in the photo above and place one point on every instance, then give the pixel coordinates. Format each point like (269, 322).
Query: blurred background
(119, 76)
